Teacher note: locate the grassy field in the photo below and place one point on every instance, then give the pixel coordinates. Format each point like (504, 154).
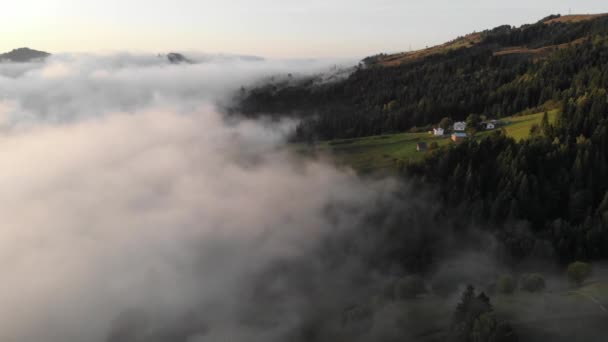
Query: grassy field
(599, 289)
(378, 152)
(557, 314)
(518, 127)
(383, 152)
(562, 315)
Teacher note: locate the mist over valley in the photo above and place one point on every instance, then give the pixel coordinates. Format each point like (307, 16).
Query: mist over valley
(452, 193)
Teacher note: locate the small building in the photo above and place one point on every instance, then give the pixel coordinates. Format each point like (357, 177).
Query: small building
(457, 137)
(490, 126)
(460, 126)
(438, 131)
(421, 146)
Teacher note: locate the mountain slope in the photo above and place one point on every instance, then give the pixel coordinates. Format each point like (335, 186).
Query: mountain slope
(574, 18)
(467, 41)
(23, 55)
(473, 39)
(553, 185)
(496, 73)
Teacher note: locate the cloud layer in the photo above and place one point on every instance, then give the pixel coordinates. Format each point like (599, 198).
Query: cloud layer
(71, 87)
(131, 210)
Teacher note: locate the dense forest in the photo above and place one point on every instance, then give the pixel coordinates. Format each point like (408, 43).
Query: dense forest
(556, 180)
(505, 70)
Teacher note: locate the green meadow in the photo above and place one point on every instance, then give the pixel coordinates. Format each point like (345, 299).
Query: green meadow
(384, 152)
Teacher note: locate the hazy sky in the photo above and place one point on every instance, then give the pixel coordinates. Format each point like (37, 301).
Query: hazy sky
(276, 28)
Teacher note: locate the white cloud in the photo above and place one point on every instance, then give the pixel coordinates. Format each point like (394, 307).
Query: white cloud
(70, 87)
(166, 208)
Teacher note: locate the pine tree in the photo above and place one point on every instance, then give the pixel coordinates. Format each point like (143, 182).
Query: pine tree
(545, 126)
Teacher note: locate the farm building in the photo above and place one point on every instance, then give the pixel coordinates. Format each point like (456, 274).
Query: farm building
(421, 147)
(460, 126)
(456, 137)
(438, 131)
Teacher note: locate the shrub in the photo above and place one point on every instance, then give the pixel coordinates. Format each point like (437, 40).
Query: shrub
(533, 282)
(578, 272)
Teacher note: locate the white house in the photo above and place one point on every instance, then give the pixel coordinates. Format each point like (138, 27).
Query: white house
(460, 126)
(438, 131)
(490, 126)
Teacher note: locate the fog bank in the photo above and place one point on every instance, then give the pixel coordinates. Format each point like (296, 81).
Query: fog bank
(133, 211)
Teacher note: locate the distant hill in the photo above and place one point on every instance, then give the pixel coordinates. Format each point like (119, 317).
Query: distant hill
(177, 58)
(23, 55)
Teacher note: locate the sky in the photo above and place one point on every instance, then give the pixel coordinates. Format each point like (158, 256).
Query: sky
(270, 28)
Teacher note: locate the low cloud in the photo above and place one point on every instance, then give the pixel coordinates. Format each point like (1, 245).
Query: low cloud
(133, 211)
(71, 87)
(156, 210)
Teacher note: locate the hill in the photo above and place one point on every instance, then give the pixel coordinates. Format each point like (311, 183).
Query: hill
(406, 57)
(178, 58)
(551, 179)
(574, 18)
(473, 39)
(497, 73)
(23, 55)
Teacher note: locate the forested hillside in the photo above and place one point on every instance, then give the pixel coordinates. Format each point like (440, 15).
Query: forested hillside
(555, 181)
(497, 73)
